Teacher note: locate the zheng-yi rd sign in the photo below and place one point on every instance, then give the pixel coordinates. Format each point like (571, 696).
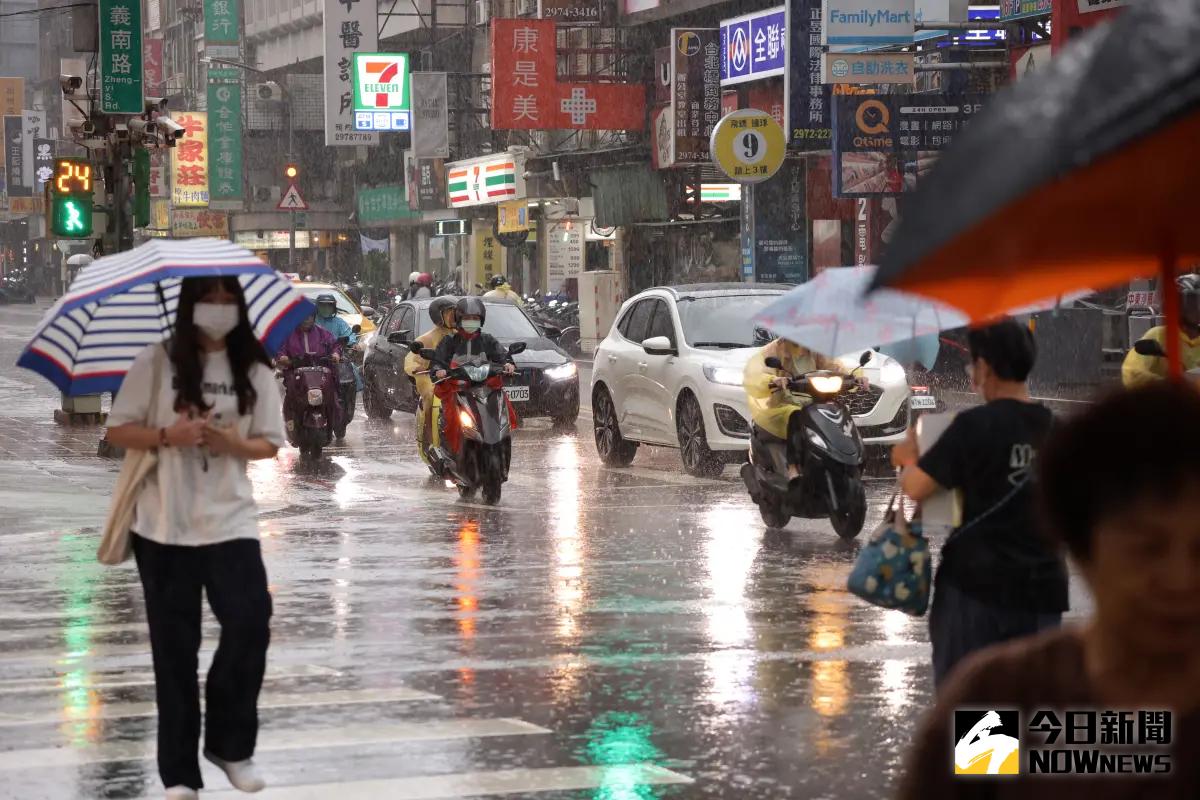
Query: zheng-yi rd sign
(381, 92)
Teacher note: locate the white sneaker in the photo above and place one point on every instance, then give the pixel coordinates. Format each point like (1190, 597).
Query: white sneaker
(182, 792)
(244, 775)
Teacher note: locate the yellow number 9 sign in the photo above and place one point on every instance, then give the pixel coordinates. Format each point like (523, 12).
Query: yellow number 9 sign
(748, 145)
(72, 176)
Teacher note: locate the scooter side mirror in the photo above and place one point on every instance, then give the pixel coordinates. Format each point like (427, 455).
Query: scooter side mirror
(516, 347)
(414, 347)
(357, 329)
(773, 363)
(865, 358)
(1149, 347)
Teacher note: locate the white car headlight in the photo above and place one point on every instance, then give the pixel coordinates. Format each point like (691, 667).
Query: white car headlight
(892, 374)
(562, 372)
(727, 376)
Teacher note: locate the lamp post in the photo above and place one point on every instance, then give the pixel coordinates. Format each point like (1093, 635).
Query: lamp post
(291, 131)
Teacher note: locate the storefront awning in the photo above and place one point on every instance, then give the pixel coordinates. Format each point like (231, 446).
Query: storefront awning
(627, 194)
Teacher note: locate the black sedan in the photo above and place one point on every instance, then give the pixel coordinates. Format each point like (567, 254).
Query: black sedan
(546, 383)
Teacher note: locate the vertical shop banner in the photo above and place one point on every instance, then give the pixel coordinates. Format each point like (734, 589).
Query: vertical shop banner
(225, 139)
(349, 27)
(33, 127)
(152, 66)
(159, 186)
(222, 27)
(781, 226)
(753, 46)
(695, 78)
(424, 182)
(189, 162)
(527, 95)
(885, 145)
(564, 250)
(431, 115)
(12, 95)
(43, 163)
(747, 232)
(807, 100)
(14, 157)
(121, 57)
(487, 256)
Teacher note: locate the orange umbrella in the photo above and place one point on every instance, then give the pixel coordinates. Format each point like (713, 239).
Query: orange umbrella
(1082, 176)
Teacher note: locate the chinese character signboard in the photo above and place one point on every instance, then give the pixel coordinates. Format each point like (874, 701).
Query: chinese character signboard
(33, 127)
(527, 95)
(225, 139)
(1020, 9)
(780, 227)
(869, 68)
(381, 92)
(695, 77)
(189, 162)
(152, 66)
(425, 182)
(349, 27)
(431, 115)
(14, 158)
(382, 205)
(884, 144)
(199, 222)
(487, 256)
(807, 99)
(753, 46)
(158, 174)
(121, 56)
(875, 22)
(481, 181)
(512, 216)
(222, 26)
(564, 251)
(43, 162)
(12, 95)
(570, 12)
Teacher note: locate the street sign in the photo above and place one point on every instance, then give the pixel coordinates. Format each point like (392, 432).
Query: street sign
(748, 145)
(292, 201)
(121, 56)
(381, 92)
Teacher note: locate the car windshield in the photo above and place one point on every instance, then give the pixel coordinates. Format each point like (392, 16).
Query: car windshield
(504, 321)
(344, 304)
(721, 321)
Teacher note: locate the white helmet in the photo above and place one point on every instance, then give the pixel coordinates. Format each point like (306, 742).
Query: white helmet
(412, 277)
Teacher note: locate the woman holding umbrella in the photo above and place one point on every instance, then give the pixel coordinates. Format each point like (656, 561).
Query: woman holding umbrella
(195, 526)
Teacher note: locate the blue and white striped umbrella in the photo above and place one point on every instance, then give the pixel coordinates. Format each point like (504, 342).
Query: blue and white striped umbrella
(119, 304)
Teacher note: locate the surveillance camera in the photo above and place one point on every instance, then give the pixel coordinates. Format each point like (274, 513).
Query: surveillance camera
(170, 128)
(139, 127)
(156, 104)
(70, 83)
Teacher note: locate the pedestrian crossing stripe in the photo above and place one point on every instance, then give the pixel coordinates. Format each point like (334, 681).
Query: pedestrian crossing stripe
(520, 782)
(129, 679)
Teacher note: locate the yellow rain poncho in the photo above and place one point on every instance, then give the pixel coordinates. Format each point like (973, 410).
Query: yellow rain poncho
(1138, 370)
(769, 408)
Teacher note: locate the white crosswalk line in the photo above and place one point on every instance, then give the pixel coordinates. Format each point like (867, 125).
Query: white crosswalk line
(520, 782)
(146, 678)
(286, 739)
(269, 700)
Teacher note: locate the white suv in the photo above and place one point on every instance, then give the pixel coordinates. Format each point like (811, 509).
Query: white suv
(670, 373)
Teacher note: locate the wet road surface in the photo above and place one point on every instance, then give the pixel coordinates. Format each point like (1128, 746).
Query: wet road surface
(606, 634)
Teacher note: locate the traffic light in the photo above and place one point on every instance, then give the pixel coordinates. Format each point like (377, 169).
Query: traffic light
(292, 172)
(71, 199)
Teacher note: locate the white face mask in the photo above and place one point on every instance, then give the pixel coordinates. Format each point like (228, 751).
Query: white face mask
(471, 325)
(215, 319)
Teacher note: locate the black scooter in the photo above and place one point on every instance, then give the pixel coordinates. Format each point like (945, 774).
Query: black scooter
(484, 451)
(831, 466)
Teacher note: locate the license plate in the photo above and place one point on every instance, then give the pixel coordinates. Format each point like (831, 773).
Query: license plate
(922, 401)
(518, 394)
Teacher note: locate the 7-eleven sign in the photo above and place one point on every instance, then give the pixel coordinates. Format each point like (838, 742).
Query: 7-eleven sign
(381, 99)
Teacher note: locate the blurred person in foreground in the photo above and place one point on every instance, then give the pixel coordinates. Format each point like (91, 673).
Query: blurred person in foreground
(1138, 370)
(1119, 486)
(997, 577)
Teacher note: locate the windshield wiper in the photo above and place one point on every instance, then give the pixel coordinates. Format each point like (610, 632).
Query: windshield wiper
(721, 344)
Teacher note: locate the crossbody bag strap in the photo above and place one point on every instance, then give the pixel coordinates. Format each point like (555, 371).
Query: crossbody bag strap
(957, 533)
(156, 371)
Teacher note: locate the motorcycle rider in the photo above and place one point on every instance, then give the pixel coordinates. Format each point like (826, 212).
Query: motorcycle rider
(1138, 370)
(770, 401)
(502, 291)
(421, 287)
(441, 311)
(315, 342)
(468, 339)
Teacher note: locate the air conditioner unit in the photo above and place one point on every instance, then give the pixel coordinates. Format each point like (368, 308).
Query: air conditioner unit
(483, 11)
(267, 194)
(269, 92)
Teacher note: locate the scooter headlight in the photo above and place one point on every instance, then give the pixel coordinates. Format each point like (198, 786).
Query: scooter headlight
(465, 418)
(316, 397)
(826, 384)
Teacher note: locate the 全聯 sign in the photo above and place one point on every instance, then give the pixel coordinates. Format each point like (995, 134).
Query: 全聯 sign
(381, 92)
(753, 46)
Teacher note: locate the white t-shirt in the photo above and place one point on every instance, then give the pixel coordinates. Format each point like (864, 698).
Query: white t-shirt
(184, 502)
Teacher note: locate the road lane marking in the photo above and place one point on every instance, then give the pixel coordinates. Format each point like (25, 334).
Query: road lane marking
(269, 700)
(474, 784)
(146, 678)
(291, 738)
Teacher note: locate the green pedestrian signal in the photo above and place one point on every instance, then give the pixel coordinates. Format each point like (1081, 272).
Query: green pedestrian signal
(71, 202)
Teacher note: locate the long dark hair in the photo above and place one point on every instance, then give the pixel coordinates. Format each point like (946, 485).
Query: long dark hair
(241, 345)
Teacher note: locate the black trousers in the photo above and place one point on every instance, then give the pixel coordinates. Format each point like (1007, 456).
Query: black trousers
(173, 580)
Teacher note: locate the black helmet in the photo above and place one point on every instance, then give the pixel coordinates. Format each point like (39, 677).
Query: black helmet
(326, 297)
(469, 307)
(497, 281)
(439, 307)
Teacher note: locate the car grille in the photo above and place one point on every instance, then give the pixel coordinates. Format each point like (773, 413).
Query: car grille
(864, 400)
